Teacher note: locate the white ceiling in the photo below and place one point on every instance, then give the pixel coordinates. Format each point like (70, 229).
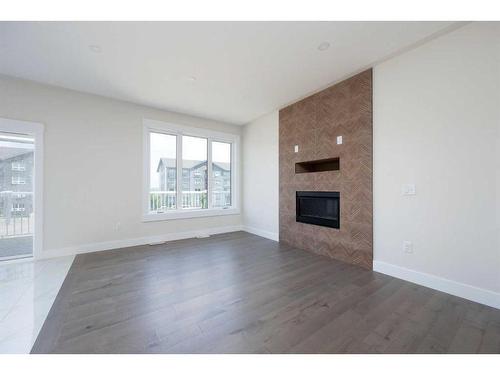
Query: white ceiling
(242, 69)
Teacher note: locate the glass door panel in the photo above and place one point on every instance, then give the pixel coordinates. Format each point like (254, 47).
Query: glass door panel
(17, 219)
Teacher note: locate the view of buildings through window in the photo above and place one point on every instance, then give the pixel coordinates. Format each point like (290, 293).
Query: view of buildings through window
(16, 195)
(193, 182)
(221, 174)
(194, 172)
(163, 172)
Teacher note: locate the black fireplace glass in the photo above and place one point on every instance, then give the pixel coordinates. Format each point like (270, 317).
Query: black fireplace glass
(318, 208)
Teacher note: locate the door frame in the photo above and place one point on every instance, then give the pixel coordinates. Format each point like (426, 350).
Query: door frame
(36, 130)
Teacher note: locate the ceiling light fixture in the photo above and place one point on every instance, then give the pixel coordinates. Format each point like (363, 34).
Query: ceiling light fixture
(324, 46)
(95, 48)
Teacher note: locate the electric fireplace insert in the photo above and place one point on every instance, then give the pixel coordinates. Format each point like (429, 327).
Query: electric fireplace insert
(318, 208)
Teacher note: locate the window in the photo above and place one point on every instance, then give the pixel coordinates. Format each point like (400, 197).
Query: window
(221, 172)
(189, 172)
(162, 183)
(18, 166)
(18, 180)
(194, 163)
(18, 207)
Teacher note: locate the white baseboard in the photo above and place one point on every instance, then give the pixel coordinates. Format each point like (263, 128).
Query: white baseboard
(263, 233)
(116, 244)
(484, 296)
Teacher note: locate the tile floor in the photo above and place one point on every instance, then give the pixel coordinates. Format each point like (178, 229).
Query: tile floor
(27, 290)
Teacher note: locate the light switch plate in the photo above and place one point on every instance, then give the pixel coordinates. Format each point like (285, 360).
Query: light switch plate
(296, 148)
(339, 140)
(408, 189)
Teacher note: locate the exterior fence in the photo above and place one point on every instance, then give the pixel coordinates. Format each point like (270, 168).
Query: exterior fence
(161, 201)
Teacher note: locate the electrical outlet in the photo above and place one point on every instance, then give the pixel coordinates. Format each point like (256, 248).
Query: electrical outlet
(339, 140)
(296, 148)
(408, 189)
(407, 247)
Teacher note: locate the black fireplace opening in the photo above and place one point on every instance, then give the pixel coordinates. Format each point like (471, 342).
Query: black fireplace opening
(318, 208)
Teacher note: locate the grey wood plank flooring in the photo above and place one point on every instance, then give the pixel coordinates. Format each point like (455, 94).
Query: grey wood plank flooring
(240, 293)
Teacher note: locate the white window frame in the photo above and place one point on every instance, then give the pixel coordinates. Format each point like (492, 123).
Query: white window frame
(211, 136)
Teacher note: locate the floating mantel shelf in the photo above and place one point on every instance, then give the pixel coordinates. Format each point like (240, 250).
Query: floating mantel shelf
(323, 165)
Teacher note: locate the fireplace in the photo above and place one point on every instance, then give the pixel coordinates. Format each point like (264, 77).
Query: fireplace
(318, 208)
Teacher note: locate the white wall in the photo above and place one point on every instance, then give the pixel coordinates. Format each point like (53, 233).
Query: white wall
(93, 168)
(437, 125)
(260, 176)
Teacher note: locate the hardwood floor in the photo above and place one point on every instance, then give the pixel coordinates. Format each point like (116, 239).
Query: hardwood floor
(240, 293)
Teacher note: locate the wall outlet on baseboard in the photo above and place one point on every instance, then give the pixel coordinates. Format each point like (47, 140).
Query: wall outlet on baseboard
(408, 247)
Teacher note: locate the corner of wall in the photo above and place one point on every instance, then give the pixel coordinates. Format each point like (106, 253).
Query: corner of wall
(260, 176)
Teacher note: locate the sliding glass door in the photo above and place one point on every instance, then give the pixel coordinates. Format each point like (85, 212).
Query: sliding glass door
(17, 183)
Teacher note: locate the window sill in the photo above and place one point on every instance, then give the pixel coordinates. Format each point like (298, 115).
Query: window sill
(188, 214)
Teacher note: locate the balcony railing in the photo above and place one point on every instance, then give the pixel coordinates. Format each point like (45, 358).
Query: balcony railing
(221, 198)
(161, 201)
(16, 216)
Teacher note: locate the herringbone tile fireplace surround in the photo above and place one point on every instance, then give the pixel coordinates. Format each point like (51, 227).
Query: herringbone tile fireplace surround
(313, 124)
